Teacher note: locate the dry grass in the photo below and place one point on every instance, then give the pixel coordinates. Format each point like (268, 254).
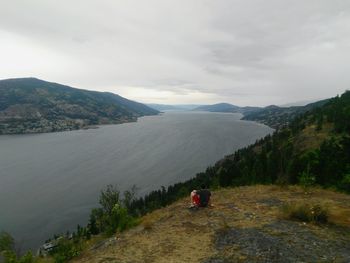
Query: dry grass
(310, 138)
(173, 234)
(315, 213)
(44, 260)
(147, 224)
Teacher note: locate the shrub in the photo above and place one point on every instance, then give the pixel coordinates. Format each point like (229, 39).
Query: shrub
(10, 257)
(119, 220)
(6, 241)
(345, 183)
(305, 212)
(306, 179)
(65, 250)
(109, 198)
(7, 250)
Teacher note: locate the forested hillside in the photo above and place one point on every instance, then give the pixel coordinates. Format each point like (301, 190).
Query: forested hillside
(31, 105)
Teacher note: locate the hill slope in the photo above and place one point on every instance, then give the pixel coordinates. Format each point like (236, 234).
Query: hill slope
(31, 105)
(245, 225)
(279, 117)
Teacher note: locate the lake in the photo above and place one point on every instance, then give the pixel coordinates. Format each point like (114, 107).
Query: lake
(49, 182)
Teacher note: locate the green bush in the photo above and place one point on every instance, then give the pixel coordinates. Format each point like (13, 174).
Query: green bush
(306, 179)
(10, 257)
(112, 216)
(345, 183)
(65, 250)
(7, 250)
(7, 242)
(109, 198)
(119, 220)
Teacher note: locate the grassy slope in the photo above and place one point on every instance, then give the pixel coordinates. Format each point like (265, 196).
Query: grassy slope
(244, 225)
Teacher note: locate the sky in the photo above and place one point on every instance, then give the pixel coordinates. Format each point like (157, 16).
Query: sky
(245, 52)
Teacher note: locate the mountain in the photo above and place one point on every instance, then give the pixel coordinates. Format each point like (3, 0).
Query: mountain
(178, 107)
(226, 107)
(219, 107)
(279, 117)
(30, 105)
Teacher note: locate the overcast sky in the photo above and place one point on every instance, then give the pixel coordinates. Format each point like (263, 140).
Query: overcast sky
(246, 52)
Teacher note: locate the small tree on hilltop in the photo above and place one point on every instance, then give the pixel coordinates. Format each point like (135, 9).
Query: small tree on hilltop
(109, 198)
(129, 197)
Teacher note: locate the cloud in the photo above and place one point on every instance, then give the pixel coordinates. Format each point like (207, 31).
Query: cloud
(246, 52)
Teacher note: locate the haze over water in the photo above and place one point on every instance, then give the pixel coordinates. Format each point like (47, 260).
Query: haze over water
(50, 182)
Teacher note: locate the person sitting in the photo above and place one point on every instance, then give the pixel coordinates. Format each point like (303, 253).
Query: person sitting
(200, 198)
(204, 197)
(195, 199)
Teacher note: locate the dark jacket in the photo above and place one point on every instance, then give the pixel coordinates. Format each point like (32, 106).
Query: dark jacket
(204, 197)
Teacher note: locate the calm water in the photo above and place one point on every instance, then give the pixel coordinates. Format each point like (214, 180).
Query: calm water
(49, 182)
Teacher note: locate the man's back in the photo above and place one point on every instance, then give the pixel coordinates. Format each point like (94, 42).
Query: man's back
(204, 196)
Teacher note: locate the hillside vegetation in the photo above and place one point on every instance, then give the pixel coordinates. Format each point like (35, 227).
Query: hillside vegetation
(246, 224)
(30, 105)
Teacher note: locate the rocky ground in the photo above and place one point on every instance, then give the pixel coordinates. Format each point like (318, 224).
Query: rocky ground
(244, 225)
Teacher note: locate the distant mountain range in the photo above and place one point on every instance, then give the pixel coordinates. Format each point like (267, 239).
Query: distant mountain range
(179, 107)
(273, 116)
(30, 105)
(279, 117)
(226, 107)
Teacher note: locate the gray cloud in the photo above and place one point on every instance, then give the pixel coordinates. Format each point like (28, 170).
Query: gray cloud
(254, 52)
